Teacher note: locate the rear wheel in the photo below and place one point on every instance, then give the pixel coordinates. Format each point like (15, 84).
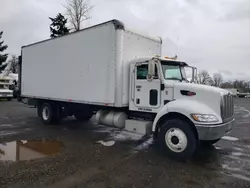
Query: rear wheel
(49, 113)
(177, 139)
(46, 113)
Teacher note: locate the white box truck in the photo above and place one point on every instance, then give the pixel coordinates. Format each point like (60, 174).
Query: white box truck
(117, 74)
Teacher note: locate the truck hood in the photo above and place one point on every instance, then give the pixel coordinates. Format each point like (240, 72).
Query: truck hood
(200, 88)
(207, 95)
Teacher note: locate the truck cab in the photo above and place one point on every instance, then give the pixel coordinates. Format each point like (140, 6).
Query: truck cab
(186, 113)
(5, 92)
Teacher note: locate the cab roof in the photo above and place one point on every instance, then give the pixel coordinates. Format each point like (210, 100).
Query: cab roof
(167, 60)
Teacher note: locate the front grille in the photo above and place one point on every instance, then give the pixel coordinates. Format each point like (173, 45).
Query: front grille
(5, 93)
(4, 81)
(227, 108)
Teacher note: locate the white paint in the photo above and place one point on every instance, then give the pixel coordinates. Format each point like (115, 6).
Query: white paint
(103, 63)
(107, 143)
(138, 126)
(187, 106)
(230, 138)
(136, 46)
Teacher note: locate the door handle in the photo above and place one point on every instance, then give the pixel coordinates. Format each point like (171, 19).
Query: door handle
(137, 101)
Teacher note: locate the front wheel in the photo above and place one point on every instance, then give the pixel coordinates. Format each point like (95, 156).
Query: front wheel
(177, 139)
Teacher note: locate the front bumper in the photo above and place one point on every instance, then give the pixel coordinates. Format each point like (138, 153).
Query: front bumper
(214, 132)
(3, 96)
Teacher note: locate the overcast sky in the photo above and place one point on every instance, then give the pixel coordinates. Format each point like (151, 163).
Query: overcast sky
(209, 34)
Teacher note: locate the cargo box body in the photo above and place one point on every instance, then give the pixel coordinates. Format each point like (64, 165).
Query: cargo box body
(90, 66)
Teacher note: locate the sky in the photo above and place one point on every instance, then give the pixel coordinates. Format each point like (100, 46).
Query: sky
(213, 35)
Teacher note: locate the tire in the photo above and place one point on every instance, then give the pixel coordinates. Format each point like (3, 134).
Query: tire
(81, 116)
(177, 139)
(9, 99)
(46, 113)
(57, 114)
(49, 113)
(208, 143)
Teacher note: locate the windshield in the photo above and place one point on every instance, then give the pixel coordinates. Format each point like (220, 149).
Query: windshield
(173, 72)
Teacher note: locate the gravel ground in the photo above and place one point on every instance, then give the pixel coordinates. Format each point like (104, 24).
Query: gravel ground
(68, 155)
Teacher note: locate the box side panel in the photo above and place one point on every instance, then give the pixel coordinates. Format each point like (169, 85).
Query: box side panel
(136, 46)
(119, 68)
(79, 67)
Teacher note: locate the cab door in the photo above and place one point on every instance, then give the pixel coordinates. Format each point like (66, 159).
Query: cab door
(147, 94)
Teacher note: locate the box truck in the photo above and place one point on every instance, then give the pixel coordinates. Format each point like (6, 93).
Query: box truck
(120, 76)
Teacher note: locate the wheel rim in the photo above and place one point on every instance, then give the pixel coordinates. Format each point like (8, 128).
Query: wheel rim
(45, 113)
(176, 140)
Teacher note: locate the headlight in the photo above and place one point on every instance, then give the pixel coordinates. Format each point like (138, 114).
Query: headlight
(204, 117)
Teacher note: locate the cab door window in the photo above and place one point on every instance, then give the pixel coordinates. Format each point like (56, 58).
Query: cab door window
(142, 72)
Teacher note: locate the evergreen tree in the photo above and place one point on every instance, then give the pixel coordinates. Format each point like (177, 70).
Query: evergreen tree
(58, 26)
(3, 57)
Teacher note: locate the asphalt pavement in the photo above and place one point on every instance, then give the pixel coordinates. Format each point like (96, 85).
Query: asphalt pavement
(85, 154)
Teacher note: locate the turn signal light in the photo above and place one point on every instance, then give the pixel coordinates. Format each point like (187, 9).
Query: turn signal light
(190, 93)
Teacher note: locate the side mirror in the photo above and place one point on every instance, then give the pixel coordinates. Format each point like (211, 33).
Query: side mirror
(151, 70)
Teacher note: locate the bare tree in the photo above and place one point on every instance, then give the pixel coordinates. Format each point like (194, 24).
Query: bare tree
(241, 85)
(217, 79)
(14, 64)
(227, 84)
(205, 78)
(77, 12)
